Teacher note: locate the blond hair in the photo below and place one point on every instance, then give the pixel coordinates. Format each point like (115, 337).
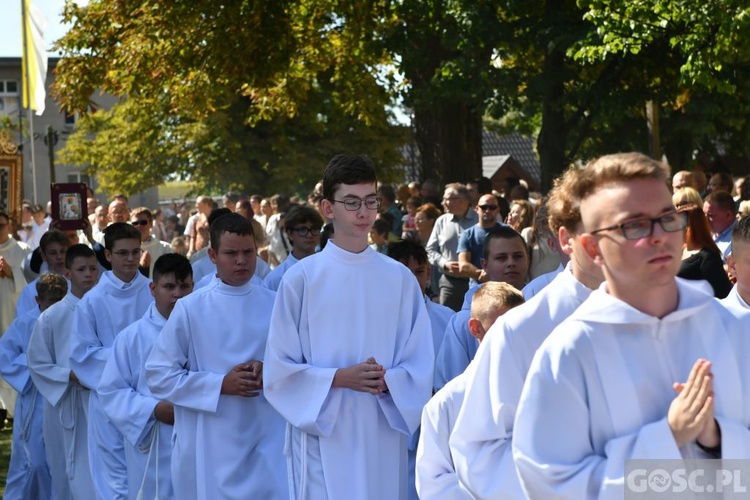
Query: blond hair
(492, 297)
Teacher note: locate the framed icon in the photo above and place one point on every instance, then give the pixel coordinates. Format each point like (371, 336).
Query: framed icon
(69, 205)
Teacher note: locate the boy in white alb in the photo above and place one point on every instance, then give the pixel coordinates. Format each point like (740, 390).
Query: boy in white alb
(634, 373)
(52, 247)
(738, 261)
(482, 437)
(28, 472)
(349, 357)
(144, 421)
(120, 298)
(228, 441)
(436, 474)
(66, 401)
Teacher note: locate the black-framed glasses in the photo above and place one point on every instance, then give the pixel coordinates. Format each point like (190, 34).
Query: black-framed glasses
(124, 254)
(353, 204)
(304, 231)
(643, 228)
(139, 222)
(487, 208)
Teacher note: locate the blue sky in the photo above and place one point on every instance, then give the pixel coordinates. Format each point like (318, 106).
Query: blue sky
(10, 24)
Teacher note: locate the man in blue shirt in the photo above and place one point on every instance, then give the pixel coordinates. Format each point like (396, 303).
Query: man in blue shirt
(472, 240)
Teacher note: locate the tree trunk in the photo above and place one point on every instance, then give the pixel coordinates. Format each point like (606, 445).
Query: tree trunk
(449, 138)
(553, 134)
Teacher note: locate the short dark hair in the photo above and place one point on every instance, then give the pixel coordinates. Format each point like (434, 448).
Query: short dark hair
(216, 213)
(231, 196)
(75, 251)
(300, 214)
(230, 223)
(723, 200)
(172, 263)
(347, 169)
(53, 236)
(325, 235)
(51, 287)
(502, 232)
(741, 231)
(381, 226)
(386, 191)
(403, 249)
(120, 231)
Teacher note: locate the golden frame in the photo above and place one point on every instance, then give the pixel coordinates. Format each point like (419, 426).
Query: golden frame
(11, 184)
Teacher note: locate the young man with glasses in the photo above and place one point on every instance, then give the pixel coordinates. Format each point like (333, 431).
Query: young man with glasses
(121, 297)
(471, 242)
(152, 247)
(349, 357)
(302, 226)
(645, 368)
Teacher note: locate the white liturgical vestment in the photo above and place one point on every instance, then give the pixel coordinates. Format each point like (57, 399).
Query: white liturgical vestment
(600, 386)
(336, 309)
(481, 440)
(66, 403)
(224, 446)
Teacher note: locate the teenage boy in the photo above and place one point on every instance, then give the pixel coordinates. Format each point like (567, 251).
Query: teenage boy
(65, 399)
(28, 473)
(144, 421)
(152, 247)
(349, 355)
(482, 436)
(505, 258)
(634, 373)
(52, 247)
(436, 474)
(738, 262)
(302, 228)
(228, 441)
(120, 298)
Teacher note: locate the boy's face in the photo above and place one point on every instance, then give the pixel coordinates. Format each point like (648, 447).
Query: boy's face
(421, 271)
(125, 257)
(168, 290)
(54, 256)
(508, 261)
(234, 259)
(83, 274)
(739, 264)
(377, 238)
(632, 265)
(39, 218)
(351, 225)
(307, 243)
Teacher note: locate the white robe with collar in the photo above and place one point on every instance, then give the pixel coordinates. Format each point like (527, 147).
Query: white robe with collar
(28, 473)
(224, 446)
(735, 303)
(273, 279)
(481, 440)
(65, 405)
(128, 402)
(102, 313)
(599, 389)
(336, 309)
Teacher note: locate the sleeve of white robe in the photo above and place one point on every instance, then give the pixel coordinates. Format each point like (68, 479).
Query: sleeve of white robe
(410, 375)
(482, 437)
(551, 443)
(436, 478)
(52, 380)
(129, 410)
(87, 354)
(168, 373)
(13, 362)
(288, 379)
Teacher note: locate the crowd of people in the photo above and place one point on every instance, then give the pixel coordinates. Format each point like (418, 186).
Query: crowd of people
(378, 341)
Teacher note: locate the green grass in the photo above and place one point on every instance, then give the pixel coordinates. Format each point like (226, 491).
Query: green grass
(174, 190)
(5, 439)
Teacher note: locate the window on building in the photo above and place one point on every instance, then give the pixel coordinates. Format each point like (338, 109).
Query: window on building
(79, 177)
(10, 98)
